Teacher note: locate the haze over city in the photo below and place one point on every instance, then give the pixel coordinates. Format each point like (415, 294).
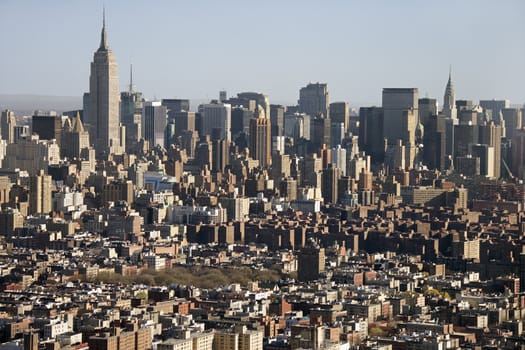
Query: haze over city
(191, 49)
(325, 175)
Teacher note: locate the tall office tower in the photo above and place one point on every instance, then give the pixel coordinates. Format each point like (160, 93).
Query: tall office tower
(463, 136)
(337, 133)
(280, 167)
(175, 105)
(311, 170)
(277, 119)
(204, 152)
(427, 108)
(340, 113)
(464, 104)
(486, 156)
(7, 125)
(189, 141)
(169, 135)
(319, 133)
(220, 155)
(131, 106)
(449, 99)
(241, 117)
(131, 103)
(469, 116)
(513, 121)
(329, 183)
(40, 199)
(85, 108)
(47, 125)
(491, 134)
(434, 150)
(398, 159)
(339, 158)
(518, 154)
(260, 100)
(75, 139)
(468, 166)
(400, 111)
(154, 123)
(371, 139)
(260, 138)
(216, 116)
(495, 107)
(311, 262)
(104, 96)
(314, 100)
(184, 120)
(297, 126)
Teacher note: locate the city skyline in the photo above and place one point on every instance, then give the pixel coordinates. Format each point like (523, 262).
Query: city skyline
(273, 55)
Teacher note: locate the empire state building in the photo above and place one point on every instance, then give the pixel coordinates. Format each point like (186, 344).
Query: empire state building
(104, 111)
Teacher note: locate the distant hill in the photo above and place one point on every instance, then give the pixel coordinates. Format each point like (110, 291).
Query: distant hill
(27, 104)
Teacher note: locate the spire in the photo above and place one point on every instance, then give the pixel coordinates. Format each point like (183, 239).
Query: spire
(78, 127)
(450, 85)
(131, 78)
(103, 36)
(449, 101)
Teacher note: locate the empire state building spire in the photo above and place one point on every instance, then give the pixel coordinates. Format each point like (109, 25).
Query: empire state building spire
(103, 35)
(449, 100)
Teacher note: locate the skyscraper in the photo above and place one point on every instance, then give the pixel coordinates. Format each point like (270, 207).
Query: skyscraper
(154, 123)
(329, 181)
(513, 121)
(371, 138)
(518, 154)
(261, 100)
(319, 133)
(314, 100)
(7, 125)
(175, 105)
(131, 105)
(40, 193)
(490, 134)
(486, 156)
(340, 113)
(74, 139)
(47, 126)
(277, 119)
(427, 108)
(260, 138)
(400, 108)
(216, 117)
(104, 99)
(184, 120)
(220, 155)
(495, 107)
(449, 99)
(434, 152)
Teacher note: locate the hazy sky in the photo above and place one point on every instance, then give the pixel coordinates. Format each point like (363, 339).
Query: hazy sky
(193, 49)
